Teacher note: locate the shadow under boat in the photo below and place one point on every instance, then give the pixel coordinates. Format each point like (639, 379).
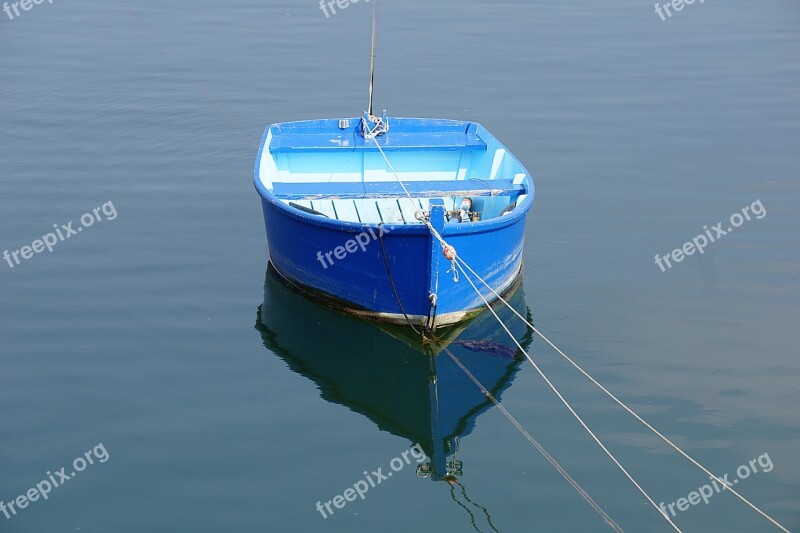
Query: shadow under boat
(407, 387)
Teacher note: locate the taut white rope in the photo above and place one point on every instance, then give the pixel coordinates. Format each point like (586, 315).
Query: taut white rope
(622, 404)
(446, 247)
(550, 459)
(566, 403)
(458, 261)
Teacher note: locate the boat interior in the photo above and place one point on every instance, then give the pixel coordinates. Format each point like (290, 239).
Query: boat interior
(328, 169)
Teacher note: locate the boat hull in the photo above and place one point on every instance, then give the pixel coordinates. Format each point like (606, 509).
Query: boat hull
(393, 271)
(360, 283)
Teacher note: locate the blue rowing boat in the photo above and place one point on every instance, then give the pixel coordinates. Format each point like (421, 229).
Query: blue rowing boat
(368, 213)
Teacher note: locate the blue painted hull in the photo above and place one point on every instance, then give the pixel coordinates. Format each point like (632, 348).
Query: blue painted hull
(360, 283)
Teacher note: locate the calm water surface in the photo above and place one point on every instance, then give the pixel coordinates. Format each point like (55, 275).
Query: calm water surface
(144, 332)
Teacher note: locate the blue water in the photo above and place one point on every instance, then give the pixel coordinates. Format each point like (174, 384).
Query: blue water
(140, 332)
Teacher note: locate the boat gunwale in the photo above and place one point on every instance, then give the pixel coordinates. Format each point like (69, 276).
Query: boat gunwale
(473, 228)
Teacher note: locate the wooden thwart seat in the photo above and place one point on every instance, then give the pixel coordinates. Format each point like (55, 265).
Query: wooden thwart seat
(392, 189)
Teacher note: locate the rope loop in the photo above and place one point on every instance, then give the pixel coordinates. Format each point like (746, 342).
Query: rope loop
(430, 323)
(453, 268)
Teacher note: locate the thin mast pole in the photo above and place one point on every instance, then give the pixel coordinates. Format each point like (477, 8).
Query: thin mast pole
(372, 56)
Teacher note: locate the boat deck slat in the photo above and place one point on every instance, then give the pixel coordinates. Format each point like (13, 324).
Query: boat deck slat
(325, 207)
(346, 210)
(390, 211)
(368, 211)
(409, 209)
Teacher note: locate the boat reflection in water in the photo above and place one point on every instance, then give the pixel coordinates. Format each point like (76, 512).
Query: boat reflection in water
(387, 374)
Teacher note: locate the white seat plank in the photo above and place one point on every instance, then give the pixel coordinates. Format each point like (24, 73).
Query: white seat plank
(325, 207)
(368, 211)
(409, 210)
(346, 210)
(390, 211)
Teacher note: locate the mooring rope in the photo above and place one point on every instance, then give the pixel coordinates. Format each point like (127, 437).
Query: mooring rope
(479, 506)
(391, 279)
(617, 400)
(567, 404)
(549, 458)
(519, 426)
(472, 520)
(451, 254)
